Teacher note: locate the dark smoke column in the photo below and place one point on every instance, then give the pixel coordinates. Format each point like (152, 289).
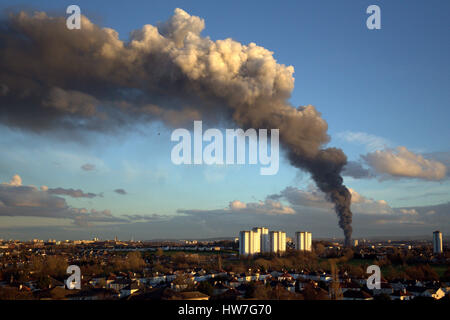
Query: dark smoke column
(325, 168)
(303, 133)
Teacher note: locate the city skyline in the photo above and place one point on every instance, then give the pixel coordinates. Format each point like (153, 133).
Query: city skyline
(92, 158)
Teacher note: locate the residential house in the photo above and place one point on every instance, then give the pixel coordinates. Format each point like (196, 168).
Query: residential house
(356, 295)
(402, 295)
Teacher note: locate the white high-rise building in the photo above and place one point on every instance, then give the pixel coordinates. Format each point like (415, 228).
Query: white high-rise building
(260, 240)
(273, 238)
(303, 241)
(281, 241)
(245, 242)
(308, 241)
(277, 241)
(299, 241)
(265, 240)
(437, 242)
(256, 233)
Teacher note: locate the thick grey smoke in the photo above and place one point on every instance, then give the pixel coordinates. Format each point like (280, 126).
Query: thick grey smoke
(325, 168)
(52, 78)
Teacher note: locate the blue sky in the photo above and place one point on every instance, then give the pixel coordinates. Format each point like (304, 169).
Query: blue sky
(390, 86)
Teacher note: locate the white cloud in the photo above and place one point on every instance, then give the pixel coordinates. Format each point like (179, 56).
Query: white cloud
(403, 163)
(361, 204)
(14, 182)
(412, 212)
(237, 208)
(268, 206)
(236, 205)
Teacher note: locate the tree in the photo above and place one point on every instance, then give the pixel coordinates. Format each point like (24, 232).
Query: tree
(309, 293)
(429, 273)
(279, 292)
(238, 268)
(219, 262)
(36, 264)
(43, 282)
(157, 267)
(250, 290)
(101, 283)
(159, 253)
(446, 276)
(135, 261)
(55, 266)
(205, 287)
(421, 272)
(14, 294)
(319, 248)
(335, 287)
(348, 255)
(263, 264)
(262, 292)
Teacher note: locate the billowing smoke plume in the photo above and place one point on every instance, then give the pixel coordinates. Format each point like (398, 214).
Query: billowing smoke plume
(325, 168)
(52, 78)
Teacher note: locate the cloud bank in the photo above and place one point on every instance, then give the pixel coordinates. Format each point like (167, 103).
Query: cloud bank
(17, 199)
